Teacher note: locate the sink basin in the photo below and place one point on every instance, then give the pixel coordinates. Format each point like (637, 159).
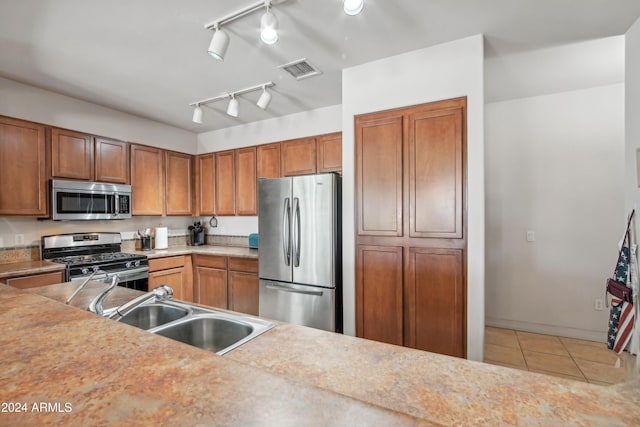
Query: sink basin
(208, 332)
(153, 315)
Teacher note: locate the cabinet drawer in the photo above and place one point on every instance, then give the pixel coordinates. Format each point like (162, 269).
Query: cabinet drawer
(249, 265)
(36, 280)
(212, 261)
(166, 263)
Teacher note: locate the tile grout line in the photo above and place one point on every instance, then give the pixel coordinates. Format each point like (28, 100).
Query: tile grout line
(573, 360)
(522, 351)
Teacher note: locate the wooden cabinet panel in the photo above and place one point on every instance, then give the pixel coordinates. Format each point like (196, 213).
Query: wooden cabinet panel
(165, 263)
(36, 280)
(211, 286)
(329, 149)
(269, 160)
(244, 292)
(178, 183)
(111, 161)
(174, 278)
(435, 173)
(436, 289)
(246, 182)
(225, 201)
(23, 168)
(205, 176)
(147, 180)
(249, 265)
(298, 157)
(213, 261)
(175, 271)
(71, 154)
(379, 175)
(379, 293)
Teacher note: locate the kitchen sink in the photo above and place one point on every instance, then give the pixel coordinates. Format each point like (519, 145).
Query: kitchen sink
(214, 330)
(153, 315)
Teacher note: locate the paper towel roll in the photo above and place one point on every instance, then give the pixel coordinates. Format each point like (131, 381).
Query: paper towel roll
(162, 238)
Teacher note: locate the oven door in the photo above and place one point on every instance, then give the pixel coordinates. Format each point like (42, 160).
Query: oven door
(135, 278)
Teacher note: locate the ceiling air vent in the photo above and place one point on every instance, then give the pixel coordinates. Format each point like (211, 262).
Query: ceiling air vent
(301, 69)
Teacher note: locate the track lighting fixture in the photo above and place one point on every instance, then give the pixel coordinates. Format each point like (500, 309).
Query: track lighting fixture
(352, 7)
(197, 114)
(220, 40)
(234, 106)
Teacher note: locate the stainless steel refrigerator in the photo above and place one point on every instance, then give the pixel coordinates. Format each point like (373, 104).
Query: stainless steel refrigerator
(300, 250)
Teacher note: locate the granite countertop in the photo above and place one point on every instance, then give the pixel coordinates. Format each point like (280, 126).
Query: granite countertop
(430, 387)
(29, 267)
(235, 251)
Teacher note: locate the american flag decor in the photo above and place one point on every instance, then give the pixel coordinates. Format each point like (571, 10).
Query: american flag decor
(621, 316)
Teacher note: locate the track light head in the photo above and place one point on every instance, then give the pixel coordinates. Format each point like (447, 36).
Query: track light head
(353, 7)
(265, 99)
(197, 114)
(219, 44)
(269, 28)
(233, 107)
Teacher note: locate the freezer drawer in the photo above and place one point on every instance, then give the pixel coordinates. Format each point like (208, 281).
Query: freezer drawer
(298, 304)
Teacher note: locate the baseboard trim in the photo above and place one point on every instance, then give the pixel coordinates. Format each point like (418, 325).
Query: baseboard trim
(538, 328)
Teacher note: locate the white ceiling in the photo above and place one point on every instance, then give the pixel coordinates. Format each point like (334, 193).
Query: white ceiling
(148, 57)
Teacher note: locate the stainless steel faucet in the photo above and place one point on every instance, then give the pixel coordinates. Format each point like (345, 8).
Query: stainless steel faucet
(161, 293)
(96, 304)
(83, 284)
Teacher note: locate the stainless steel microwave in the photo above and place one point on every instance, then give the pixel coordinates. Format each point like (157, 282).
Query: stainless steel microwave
(81, 200)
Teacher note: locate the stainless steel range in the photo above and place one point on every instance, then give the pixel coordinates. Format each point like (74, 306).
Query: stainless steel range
(86, 253)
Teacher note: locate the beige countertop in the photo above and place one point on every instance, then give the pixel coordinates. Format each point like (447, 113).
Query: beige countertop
(378, 383)
(235, 251)
(29, 267)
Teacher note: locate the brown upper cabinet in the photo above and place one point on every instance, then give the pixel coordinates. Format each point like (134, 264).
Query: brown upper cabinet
(111, 161)
(225, 193)
(205, 183)
(329, 152)
(298, 157)
(246, 182)
(269, 160)
(178, 183)
(71, 154)
(23, 168)
(147, 180)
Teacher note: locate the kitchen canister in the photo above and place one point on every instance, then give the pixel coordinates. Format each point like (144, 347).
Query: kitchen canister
(162, 238)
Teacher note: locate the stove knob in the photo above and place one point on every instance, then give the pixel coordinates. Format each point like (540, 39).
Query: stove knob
(137, 263)
(95, 268)
(85, 270)
(128, 264)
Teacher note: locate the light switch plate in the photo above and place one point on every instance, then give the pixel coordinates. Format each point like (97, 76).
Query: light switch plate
(19, 239)
(531, 236)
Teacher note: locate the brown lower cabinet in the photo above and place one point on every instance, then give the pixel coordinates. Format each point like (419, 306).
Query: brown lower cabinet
(35, 280)
(410, 222)
(210, 280)
(175, 271)
(244, 289)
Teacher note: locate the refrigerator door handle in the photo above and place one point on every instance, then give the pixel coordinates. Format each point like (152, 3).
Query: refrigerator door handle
(296, 232)
(286, 241)
(295, 291)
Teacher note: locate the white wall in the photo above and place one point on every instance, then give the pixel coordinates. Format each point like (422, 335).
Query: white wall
(42, 106)
(632, 121)
(308, 123)
(553, 166)
(441, 72)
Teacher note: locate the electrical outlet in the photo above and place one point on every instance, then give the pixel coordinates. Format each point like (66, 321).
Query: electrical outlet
(19, 239)
(599, 304)
(531, 236)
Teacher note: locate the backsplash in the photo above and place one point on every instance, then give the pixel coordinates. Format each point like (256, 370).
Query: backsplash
(21, 254)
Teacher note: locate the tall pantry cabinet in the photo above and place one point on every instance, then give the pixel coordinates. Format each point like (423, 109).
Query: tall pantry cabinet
(410, 224)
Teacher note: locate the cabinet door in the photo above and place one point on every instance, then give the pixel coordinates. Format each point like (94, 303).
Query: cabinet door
(36, 280)
(244, 292)
(298, 157)
(225, 199)
(205, 174)
(269, 161)
(436, 173)
(178, 183)
(211, 286)
(111, 161)
(379, 175)
(147, 180)
(175, 278)
(246, 182)
(379, 293)
(71, 154)
(329, 149)
(23, 168)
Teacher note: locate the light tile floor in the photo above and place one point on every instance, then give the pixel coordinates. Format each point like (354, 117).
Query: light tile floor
(570, 358)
